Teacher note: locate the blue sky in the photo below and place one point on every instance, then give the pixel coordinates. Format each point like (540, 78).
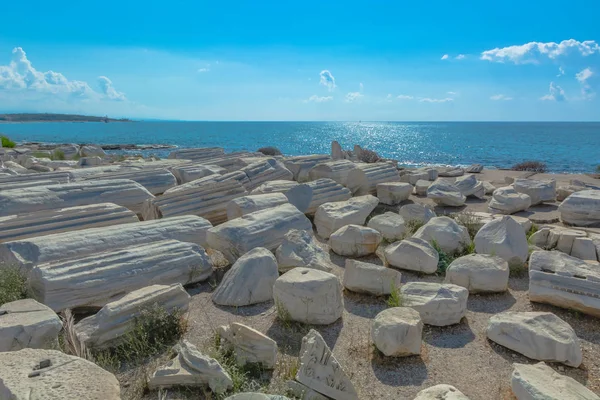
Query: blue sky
(279, 60)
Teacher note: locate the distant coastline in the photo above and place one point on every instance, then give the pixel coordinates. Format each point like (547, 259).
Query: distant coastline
(34, 117)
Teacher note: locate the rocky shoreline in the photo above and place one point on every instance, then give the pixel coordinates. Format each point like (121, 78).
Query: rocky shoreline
(341, 275)
(51, 146)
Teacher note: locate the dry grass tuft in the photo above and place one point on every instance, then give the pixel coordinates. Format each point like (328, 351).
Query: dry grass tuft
(533, 166)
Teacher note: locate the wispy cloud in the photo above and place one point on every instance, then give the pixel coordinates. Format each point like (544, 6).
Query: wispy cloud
(361, 87)
(532, 52)
(404, 97)
(389, 98)
(586, 89)
(500, 97)
(351, 97)
(561, 72)
(205, 69)
(429, 100)
(109, 90)
(318, 99)
(445, 57)
(327, 80)
(555, 93)
(451, 93)
(460, 57)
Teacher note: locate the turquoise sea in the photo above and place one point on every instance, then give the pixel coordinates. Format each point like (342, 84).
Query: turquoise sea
(563, 146)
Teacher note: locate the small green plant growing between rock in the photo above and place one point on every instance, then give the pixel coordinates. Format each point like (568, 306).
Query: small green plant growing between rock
(395, 298)
(518, 270)
(444, 261)
(468, 220)
(13, 284)
(413, 225)
(534, 228)
(6, 142)
(58, 155)
(283, 315)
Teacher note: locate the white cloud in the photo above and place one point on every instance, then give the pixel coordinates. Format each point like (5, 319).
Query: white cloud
(429, 100)
(500, 97)
(327, 80)
(353, 96)
(561, 72)
(389, 98)
(460, 57)
(445, 57)
(361, 87)
(318, 99)
(532, 51)
(451, 93)
(584, 75)
(404, 97)
(20, 76)
(586, 89)
(555, 93)
(205, 69)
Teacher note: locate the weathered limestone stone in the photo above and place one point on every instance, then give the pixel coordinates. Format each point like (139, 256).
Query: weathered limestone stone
(562, 192)
(332, 216)
(488, 187)
(416, 212)
(581, 208)
(354, 241)
(70, 150)
(300, 166)
(123, 192)
(46, 222)
(267, 170)
(248, 345)
(468, 185)
(336, 151)
(564, 239)
(421, 187)
(237, 176)
(300, 249)
(326, 191)
(537, 335)
(413, 254)
(107, 327)
(479, 219)
(55, 164)
(505, 238)
(365, 178)
(439, 304)
(320, 371)
(90, 162)
(309, 296)
(209, 201)
(188, 173)
(564, 281)
(248, 204)
(16, 167)
(506, 200)
(91, 151)
(336, 170)
(156, 180)
(249, 281)
(445, 193)
(28, 324)
(540, 382)
(197, 153)
(474, 169)
(62, 246)
(479, 273)
(450, 172)
(583, 248)
(40, 168)
(236, 160)
(397, 332)
(413, 177)
(303, 392)
(539, 191)
(432, 173)
(100, 278)
(392, 193)
(390, 225)
(35, 374)
(265, 228)
(191, 368)
(362, 277)
(276, 186)
(441, 392)
(449, 235)
(14, 182)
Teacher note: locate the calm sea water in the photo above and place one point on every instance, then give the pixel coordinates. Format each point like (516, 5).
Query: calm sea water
(564, 147)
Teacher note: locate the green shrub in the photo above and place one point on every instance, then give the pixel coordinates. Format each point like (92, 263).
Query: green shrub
(445, 259)
(395, 299)
(58, 155)
(13, 284)
(533, 166)
(6, 142)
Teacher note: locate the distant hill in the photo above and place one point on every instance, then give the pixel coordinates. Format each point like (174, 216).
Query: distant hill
(56, 118)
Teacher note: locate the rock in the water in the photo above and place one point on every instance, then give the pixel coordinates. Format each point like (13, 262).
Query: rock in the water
(397, 332)
(35, 374)
(248, 345)
(416, 212)
(540, 382)
(191, 368)
(474, 169)
(249, 281)
(537, 335)
(98, 279)
(300, 249)
(413, 254)
(362, 277)
(479, 273)
(450, 236)
(365, 178)
(581, 208)
(468, 185)
(265, 228)
(392, 193)
(445, 193)
(320, 371)
(441, 392)
(354, 241)
(506, 200)
(107, 327)
(564, 281)
(538, 191)
(390, 225)
(505, 238)
(421, 187)
(309, 296)
(28, 324)
(438, 304)
(332, 216)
